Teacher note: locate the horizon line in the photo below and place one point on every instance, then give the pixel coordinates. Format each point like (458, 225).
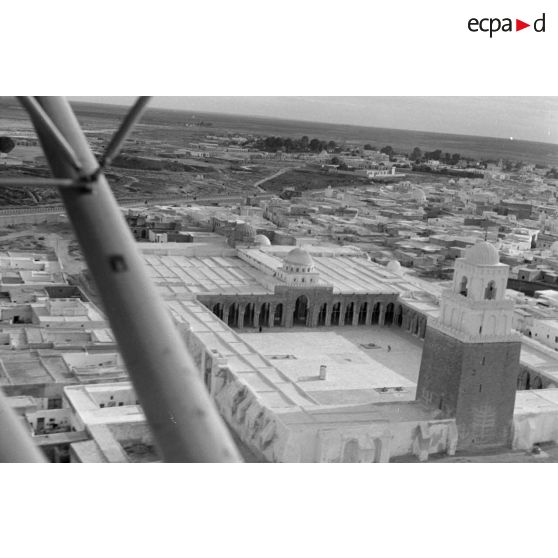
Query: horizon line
(170, 109)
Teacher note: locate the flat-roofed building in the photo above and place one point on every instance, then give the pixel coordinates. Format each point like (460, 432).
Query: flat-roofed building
(114, 424)
(29, 268)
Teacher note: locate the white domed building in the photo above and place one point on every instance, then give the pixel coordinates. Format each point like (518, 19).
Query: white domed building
(298, 269)
(418, 196)
(394, 267)
(261, 240)
(243, 233)
(482, 253)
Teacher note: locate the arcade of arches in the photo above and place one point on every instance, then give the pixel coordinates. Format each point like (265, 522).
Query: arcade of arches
(300, 308)
(533, 379)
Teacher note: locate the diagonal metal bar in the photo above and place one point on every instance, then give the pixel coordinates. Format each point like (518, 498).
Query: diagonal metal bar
(117, 141)
(184, 421)
(16, 444)
(44, 123)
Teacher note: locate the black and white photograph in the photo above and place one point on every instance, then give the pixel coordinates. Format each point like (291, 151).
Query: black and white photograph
(204, 284)
(300, 300)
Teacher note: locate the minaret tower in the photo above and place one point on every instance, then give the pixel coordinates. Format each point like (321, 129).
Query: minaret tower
(470, 360)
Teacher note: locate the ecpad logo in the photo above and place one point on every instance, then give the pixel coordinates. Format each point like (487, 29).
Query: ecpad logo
(493, 25)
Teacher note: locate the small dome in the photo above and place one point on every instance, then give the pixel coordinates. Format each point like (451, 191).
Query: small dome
(244, 230)
(262, 240)
(298, 256)
(482, 253)
(554, 248)
(394, 266)
(418, 195)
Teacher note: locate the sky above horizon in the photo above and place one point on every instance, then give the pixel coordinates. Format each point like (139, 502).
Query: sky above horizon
(525, 118)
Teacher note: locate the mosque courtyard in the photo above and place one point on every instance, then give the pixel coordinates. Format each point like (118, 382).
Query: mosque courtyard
(363, 364)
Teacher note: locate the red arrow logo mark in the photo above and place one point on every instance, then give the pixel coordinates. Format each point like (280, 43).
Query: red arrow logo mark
(519, 25)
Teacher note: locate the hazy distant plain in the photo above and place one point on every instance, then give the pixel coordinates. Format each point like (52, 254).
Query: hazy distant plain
(400, 140)
(170, 126)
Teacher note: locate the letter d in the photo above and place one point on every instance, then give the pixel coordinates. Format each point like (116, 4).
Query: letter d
(536, 24)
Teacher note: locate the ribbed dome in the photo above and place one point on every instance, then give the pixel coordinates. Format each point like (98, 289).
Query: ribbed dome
(244, 230)
(394, 266)
(482, 253)
(262, 240)
(298, 256)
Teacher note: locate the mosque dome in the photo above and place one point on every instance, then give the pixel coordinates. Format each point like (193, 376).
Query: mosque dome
(262, 240)
(482, 253)
(394, 266)
(244, 230)
(298, 256)
(418, 195)
(554, 248)
(298, 269)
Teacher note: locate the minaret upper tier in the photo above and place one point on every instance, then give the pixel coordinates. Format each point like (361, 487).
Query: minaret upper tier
(475, 309)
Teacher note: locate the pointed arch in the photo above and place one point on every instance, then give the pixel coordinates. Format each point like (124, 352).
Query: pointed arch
(322, 314)
(463, 286)
(390, 308)
(351, 452)
(335, 313)
(363, 310)
(232, 320)
(490, 291)
(278, 315)
(524, 380)
(349, 313)
(249, 315)
(300, 313)
(263, 319)
(398, 320)
(376, 311)
(536, 383)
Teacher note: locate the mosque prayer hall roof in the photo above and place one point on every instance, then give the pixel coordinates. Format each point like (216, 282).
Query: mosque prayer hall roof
(346, 270)
(358, 275)
(189, 275)
(251, 271)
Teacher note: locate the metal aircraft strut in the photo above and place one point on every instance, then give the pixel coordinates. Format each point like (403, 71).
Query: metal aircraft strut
(184, 421)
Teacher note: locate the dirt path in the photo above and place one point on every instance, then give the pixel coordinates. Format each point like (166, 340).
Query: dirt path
(274, 175)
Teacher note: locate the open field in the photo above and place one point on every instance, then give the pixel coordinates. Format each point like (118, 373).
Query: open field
(58, 237)
(131, 177)
(302, 180)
